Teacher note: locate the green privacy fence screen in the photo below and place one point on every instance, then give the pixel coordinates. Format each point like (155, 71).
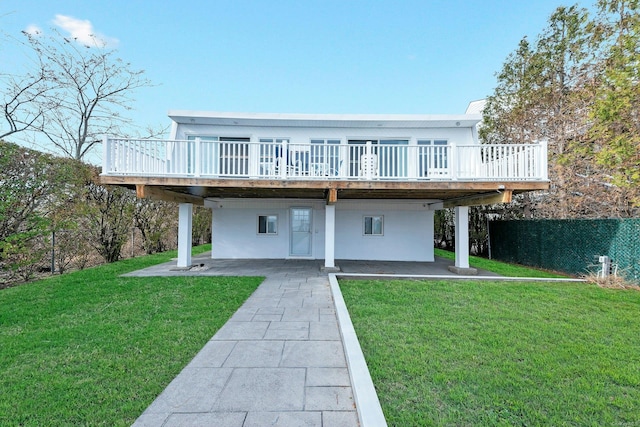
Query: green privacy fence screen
(570, 246)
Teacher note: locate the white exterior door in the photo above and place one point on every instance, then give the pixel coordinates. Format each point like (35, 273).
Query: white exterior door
(300, 242)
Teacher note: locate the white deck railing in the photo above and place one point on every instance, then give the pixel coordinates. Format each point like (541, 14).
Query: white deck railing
(283, 160)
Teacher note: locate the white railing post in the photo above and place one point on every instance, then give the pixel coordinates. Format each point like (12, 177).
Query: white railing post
(343, 161)
(542, 160)
(106, 155)
(413, 162)
(365, 162)
(196, 160)
(283, 160)
(254, 158)
(453, 160)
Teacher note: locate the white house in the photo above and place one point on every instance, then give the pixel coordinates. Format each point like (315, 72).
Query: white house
(358, 187)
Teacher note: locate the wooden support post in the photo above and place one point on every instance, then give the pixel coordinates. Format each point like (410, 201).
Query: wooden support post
(140, 191)
(332, 196)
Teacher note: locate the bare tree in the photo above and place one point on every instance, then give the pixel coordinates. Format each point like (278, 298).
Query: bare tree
(22, 108)
(85, 91)
(155, 219)
(23, 97)
(108, 215)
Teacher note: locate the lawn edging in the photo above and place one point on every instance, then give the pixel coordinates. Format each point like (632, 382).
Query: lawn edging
(367, 404)
(456, 277)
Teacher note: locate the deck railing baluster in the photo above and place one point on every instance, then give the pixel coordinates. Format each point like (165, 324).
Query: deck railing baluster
(284, 160)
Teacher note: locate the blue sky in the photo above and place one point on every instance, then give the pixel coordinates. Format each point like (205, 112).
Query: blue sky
(300, 56)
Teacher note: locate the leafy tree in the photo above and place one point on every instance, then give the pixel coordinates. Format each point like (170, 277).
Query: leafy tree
(554, 91)
(509, 114)
(34, 189)
(616, 110)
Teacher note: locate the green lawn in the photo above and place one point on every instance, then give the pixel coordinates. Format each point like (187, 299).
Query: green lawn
(92, 348)
(500, 353)
(502, 268)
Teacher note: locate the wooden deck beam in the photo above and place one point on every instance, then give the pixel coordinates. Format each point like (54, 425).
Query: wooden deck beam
(149, 192)
(324, 184)
(480, 199)
(453, 193)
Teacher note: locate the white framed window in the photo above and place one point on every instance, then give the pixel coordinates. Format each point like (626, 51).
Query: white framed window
(373, 225)
(325, 156)
(433, 158)
(267, 224)
(271, 150)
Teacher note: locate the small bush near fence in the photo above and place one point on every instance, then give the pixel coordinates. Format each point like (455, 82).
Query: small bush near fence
(572, 246)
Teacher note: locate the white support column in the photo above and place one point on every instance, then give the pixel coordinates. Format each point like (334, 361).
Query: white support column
(214, 209)
(461, 220)
(430, 234)
(185, 216)
(462, 236)
(329, 238)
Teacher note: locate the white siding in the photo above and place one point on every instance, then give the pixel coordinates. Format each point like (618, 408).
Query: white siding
(408, 230)
(462, 135)
(235, 235)
(408, 233)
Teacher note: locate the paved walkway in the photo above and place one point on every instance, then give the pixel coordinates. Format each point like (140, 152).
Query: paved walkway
(279, 361)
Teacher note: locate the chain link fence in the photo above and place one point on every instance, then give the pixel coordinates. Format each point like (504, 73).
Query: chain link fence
(571, 246)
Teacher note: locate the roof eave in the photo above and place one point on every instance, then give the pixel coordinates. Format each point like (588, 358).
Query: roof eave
(323, 120)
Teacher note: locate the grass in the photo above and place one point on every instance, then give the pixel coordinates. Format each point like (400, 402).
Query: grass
(502, 268)
(499, 354)
(92, 348)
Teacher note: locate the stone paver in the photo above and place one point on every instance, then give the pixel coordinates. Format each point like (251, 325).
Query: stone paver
(279, 360)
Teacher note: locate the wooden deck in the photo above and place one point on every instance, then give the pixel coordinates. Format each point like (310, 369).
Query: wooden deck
(451, 193)
(190, 171)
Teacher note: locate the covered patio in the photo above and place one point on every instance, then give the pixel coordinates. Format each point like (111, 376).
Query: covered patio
(204, 265)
